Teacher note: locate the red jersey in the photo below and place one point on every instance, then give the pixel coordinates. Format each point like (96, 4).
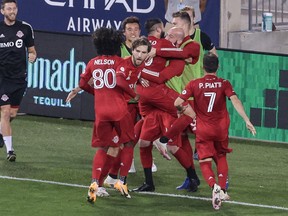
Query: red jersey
(158, 71)
(210, 94)
(109, 101)
(127, 77)
(188, 49)
(155, 70)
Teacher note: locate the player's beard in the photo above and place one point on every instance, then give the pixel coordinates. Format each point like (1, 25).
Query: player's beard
(162, 35)
(137, 61)
(11, 17)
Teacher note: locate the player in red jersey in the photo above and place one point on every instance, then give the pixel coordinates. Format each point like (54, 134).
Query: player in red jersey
(157, 100)
(110, 78)
(213, 122)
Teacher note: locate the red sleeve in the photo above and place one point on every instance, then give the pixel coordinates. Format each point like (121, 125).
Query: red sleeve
(191, 50)
(84, 79)
(175, 68)
(188, 91)
(122, 83)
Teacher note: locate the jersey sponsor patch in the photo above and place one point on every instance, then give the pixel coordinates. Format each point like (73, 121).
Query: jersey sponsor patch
(4, 97)
(20, 34)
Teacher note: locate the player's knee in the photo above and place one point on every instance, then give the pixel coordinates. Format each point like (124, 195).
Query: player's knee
(144, 143)
(5, 114)
(113, 151)
(172, 149)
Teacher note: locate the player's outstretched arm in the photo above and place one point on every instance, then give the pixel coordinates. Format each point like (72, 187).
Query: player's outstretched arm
(240, 109)
(73, 94)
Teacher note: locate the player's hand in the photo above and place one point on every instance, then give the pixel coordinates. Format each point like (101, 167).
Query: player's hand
(91, 82)
(151, 54)
(31, 57)
(251, 128)
(189, 60)
(72, 94)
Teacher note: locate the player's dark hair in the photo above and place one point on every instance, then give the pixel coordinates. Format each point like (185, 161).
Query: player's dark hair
(7, 1)
(151, 24)
(107, 41)
(188, 8)
(131, 19)
(210, 62)
(142, 41)
(182, 15)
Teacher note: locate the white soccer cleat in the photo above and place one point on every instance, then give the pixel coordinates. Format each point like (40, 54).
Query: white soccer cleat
(101, 192)
(162, 148)
(224, 196)
(132, 168)
(109, 182)
(216, 200)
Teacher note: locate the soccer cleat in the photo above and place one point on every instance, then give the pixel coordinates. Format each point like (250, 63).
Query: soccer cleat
(224, 195)
(109, 182)
(122, 188)
(132, 168)
(164, 139)
(185, 185)
(11, 156)
(195, 156)
(92, 191)
(1, 141)
(216, 199)
(162, 148)
(154, 167)
(145, 188)
(101, 192)
(193, 185)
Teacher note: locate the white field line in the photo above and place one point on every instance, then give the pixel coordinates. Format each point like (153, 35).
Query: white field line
(148, 193)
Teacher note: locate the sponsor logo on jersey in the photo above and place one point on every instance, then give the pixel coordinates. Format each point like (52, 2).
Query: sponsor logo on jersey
(4, 97)
(20, 34)
(115, 139)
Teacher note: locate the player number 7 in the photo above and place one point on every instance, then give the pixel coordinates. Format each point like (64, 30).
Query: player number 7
(212, 96)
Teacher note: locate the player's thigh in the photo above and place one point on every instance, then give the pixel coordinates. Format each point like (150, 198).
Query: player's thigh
(125, 128)
(151, 129)
(205, 149)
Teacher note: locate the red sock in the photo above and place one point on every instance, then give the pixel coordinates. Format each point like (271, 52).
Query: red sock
(146, 156)
(222, 170)
(105, 170)
(126, 160)
(207, 172)
(186, 146)
(178, 126)
(116, 164)
(99, 161)
(182, 157)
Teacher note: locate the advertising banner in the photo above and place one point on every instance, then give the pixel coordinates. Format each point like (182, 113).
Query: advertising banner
(84, 16)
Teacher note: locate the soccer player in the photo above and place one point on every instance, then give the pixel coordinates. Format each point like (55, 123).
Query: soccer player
(213, 122)
(155, 99)
(17, 42)
(112, 78)
(155, 95)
